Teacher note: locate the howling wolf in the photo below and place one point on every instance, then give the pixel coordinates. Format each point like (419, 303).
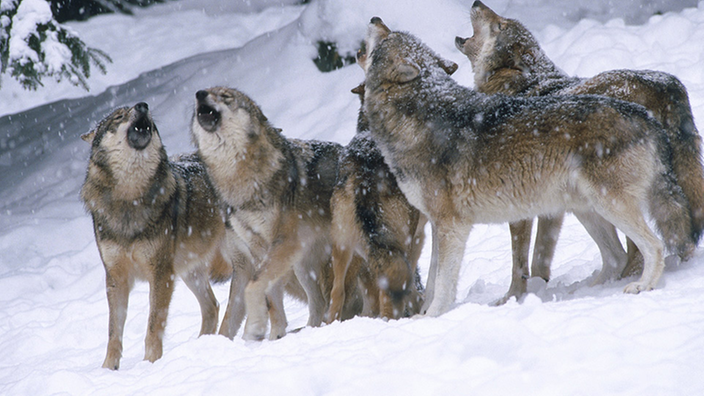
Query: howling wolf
(506, 58)
(278, 192)
(152, 218)
(462, 157)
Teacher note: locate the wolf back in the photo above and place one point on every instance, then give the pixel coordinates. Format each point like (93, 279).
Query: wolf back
(506, 58)
(463, 158)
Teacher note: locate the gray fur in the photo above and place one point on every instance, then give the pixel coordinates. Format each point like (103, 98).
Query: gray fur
(462, 157)
(153, 218)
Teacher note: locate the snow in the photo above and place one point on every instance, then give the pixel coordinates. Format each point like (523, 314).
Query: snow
(30, 13)
(569, 337)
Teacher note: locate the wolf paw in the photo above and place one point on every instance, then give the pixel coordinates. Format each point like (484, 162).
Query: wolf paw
(111, 363)
(502, 301)
(250, 335)
(278, 334)
(637, 287)
(153, 353)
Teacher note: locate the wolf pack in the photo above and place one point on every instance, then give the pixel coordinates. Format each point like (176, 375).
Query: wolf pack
(342, 228)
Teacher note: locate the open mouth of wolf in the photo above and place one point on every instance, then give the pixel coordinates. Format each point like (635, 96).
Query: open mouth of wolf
(208, 117)
(140, 133)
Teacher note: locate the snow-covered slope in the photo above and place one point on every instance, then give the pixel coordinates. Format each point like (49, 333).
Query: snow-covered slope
(568, 338)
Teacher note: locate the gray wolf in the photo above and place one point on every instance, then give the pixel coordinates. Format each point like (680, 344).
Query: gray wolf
(153, 218)
(377, 235)
(506, 58)
(462, 157)
(278, 194)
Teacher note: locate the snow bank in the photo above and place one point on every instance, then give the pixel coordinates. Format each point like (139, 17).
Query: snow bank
(567, 338)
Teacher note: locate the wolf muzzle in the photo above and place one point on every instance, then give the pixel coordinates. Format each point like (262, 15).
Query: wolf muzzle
(208, 117)
(140, 133)
(459, 42)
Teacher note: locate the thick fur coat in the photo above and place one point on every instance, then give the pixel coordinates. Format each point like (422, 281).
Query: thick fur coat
(506, 58)
(153, 218)
(278, 195)
(377, 235)
(462, 157)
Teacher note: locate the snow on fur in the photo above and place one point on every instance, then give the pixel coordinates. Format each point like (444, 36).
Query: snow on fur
(568, 337)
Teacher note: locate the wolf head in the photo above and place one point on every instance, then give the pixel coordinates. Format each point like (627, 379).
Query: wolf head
(236, 142)
(226, 116)
(132, 126)
(127, 147)
(381, 46)
(498, 43)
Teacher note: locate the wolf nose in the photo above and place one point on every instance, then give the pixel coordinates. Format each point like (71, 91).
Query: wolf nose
(459, 41)
(141, 107)
(375, 20)
(201, 95)
(478, 4)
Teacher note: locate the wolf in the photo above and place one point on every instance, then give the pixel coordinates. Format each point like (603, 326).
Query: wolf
(153, 218)
(462, 157)
(506, 58)
(278, 193)
(377, 235)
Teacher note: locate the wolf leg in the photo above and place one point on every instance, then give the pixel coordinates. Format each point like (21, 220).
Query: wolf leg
(198, 282)
(520, 246)
(341, 259)
(415, 251)
(452, 239)
(416, 247)
(278, 264)
(354, 299)
(628, 217)
(277, 315)
(634, 265)
(117, 284)
(309, 274)
(242, 272)
(432, 271)
(161, 288)
(370, 292)
(545, 241)
(613, 256)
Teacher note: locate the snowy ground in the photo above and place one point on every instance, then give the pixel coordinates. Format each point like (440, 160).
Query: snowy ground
(570, 338)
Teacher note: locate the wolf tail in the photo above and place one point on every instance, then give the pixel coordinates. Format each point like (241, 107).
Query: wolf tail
(671, 212)
(686, 155)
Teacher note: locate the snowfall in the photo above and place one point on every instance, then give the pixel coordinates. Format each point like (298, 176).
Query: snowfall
(569, 337)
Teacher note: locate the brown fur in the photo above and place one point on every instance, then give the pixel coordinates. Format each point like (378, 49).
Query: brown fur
(153, 219)
(278, 191)
(462, 157)
(506, 58)
(376, 233)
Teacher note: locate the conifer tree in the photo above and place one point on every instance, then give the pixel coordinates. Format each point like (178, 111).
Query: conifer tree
(33, 46)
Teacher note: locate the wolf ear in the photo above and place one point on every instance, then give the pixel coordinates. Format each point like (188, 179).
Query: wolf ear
(447, 65)
(359, 89)
(88, 137)
(404, 71)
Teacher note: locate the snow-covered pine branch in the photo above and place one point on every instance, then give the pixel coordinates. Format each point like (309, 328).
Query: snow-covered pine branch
(33, 46)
